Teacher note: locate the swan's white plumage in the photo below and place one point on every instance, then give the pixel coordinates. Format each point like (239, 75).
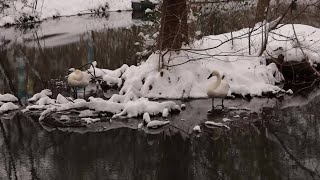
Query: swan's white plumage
(78, 79)
(218, 88)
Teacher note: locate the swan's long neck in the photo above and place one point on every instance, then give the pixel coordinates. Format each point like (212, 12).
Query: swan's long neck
(216, 83)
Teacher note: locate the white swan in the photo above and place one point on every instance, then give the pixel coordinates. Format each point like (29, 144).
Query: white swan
(78, 79)
(217, 89)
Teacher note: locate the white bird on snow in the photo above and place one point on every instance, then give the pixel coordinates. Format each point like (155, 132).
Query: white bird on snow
(78, 79)
(217, 89)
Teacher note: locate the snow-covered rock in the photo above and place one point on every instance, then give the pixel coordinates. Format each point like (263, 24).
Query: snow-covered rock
(212, 124)
(165, 112)
(289, 91)
(157, 124)
(90, 120)
(8, 98)
(146, 117)
(45, 101)
(61, 99)
(8, 107)
(43, 93)
(197, 129)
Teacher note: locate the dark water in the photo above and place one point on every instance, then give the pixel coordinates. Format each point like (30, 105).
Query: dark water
(275, 139)
(276, 144)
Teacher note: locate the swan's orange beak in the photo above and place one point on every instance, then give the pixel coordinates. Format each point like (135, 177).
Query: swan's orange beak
(210, 76)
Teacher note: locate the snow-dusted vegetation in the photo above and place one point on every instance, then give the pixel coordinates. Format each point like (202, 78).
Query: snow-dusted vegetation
(20, 11)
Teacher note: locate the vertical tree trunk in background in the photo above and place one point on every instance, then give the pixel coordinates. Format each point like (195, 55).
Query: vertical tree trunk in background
(174, 27)
(260, 10)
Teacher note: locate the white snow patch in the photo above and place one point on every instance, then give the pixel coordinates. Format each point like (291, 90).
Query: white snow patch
(165, 112)
(90, 120)
(9, 106)
(86, 113)
(61, 99)
(146, 117)
(45, 101)
(8, 98)
(214, 124)
(148, 11)
(289, 91)
(197, 129)
(226, 120)
(43, 93)
(65, 117)
(157, 124)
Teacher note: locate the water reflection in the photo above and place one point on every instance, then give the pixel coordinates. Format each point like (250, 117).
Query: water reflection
(32, 59)
(285, 146)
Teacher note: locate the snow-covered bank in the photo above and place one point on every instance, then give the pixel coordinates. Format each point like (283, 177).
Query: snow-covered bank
(66, 30)
(184, 74)
(19, 11)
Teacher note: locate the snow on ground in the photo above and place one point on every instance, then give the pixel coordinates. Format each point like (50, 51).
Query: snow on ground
(283, 41)
(187, 71)
(49, 8)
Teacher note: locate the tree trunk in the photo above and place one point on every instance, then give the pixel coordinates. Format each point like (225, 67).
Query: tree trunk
(261, 10)
(174, 27)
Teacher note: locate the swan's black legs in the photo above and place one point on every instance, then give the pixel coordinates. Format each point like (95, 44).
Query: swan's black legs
(212, 104)
(212, 108)
(84, 93)
(222, 103)
(75, 93)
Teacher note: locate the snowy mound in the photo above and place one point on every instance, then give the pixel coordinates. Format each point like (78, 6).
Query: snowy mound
(118, 105)
(8, 98)
(283, 42)
(20, 10)
(6, 103)
(184, 74)
(8, 107)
